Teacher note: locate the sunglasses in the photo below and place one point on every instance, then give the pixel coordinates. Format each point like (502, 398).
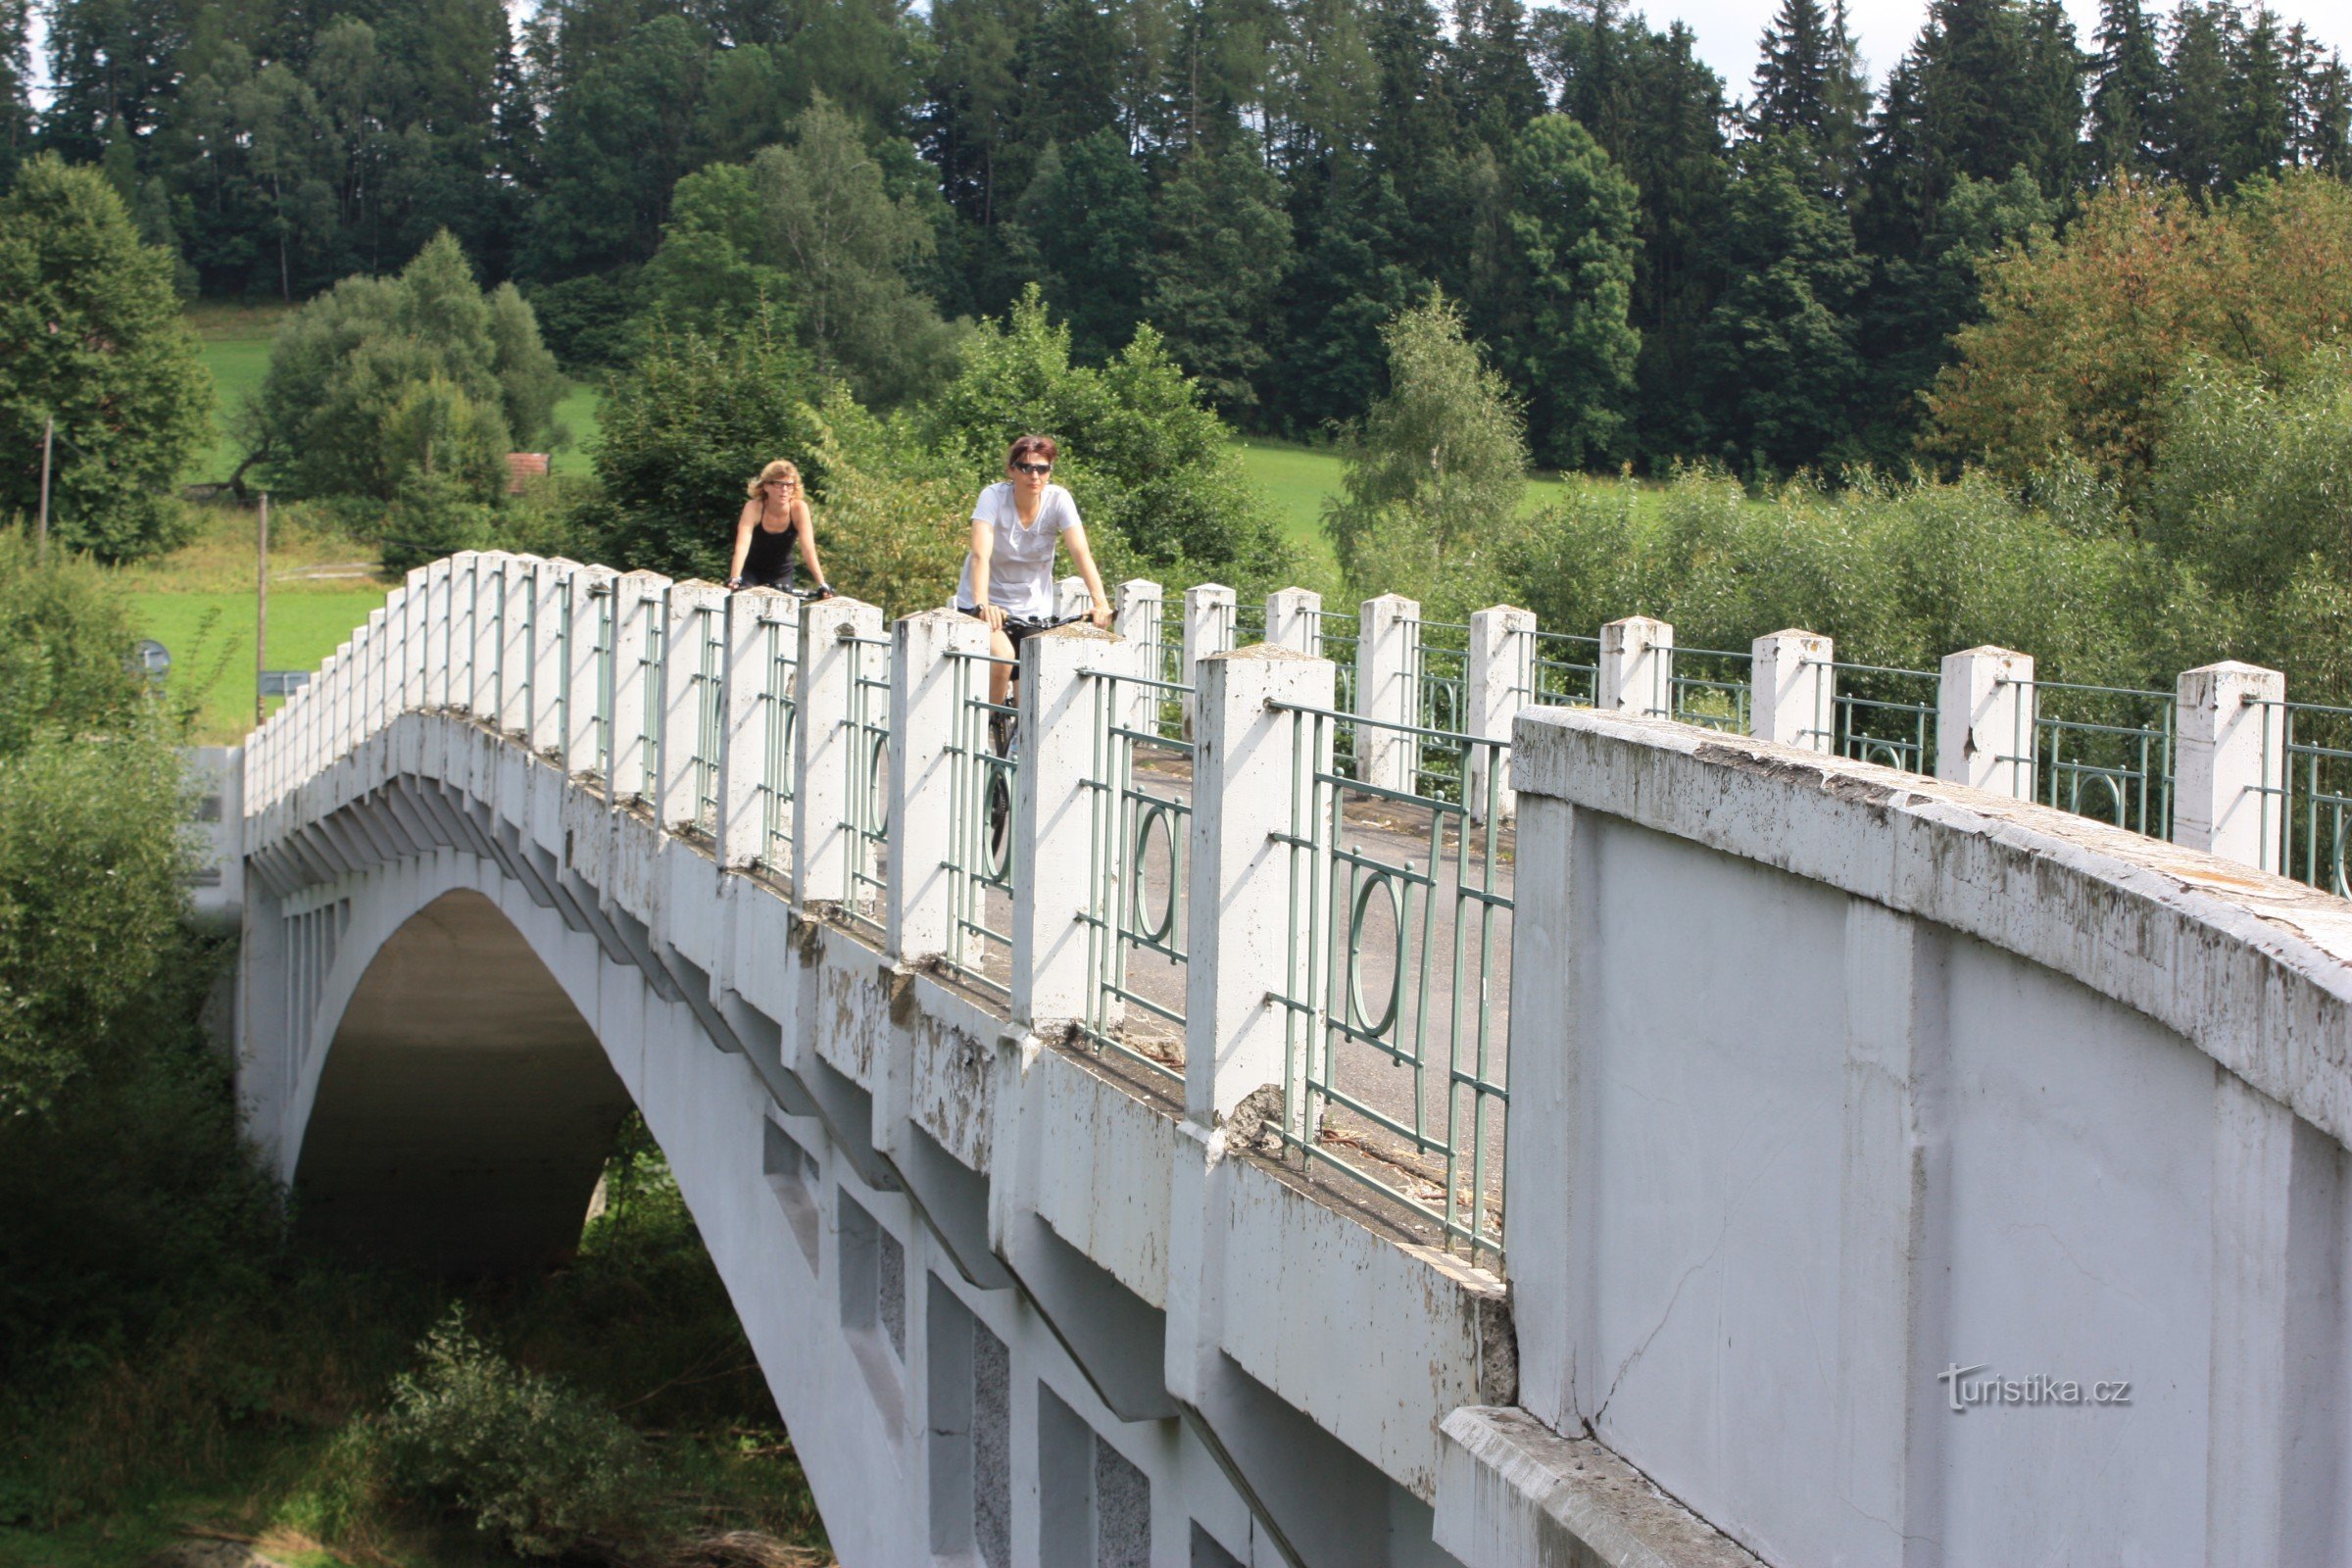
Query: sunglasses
(1032, 467)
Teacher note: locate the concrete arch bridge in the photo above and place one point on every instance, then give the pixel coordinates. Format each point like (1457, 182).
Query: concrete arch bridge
(1249, 1123)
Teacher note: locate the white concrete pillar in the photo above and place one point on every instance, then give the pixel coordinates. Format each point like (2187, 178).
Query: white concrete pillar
(742, 828)
(1070, 598)
(1238, 881)
(927, 653)
(2230, 762)
(1498, 678)
(552, 633)
(489, 668)
(1795, 690)
(1985, 721)
(417, 619)
(820, 801)
(1209, 628)
(441, 611)
(1053, 823)
(382, 634)
(637, 603)
(1291, 619)
(589, 591)
(518, 631)
(693, 657)
(1141, 619)
(457, 675)
(1388, 639)
(1636, 667)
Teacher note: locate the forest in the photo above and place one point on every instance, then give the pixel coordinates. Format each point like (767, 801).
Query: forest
(1766, 276)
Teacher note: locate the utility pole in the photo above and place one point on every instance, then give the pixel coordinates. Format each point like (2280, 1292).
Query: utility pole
(261, 608)
(48, 441)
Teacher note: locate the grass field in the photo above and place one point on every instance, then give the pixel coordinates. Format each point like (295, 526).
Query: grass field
(211, 639)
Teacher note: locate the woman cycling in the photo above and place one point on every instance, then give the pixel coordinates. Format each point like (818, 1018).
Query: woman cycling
(772, 520)
(1008, 575)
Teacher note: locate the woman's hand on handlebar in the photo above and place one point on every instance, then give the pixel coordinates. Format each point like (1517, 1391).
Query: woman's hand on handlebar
(1100, 615)
(994, 614)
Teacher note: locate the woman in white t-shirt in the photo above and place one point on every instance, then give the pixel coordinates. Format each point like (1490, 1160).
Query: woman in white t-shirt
(1008, 575)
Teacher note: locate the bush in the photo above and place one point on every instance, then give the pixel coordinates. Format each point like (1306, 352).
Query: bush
(526, 1461)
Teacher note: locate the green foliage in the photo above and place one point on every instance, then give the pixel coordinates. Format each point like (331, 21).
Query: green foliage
(382, 379)
(1221, 244)
(694, 419)
(1153, 469)
(1435, 473)
(526, 1460)
(90, 333)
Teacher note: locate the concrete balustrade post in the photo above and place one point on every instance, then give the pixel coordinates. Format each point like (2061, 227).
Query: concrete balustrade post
(637, 600)
(1498, 678)
(441, 613)
(821, 828)
(518, 631)
(1291, 619)
(1053, 822)
(692, 656)
(1985, 721)
(416, 621)
(1209, 628)
(2229, 763)
(1238, 884)
(588, 590)
(1387, 660)
(551, 631)
(1636, 667)
(1070, 598)
(457, 657)
(742, 827)
(488, 666)
(383, 632)
(1142, 615)
(928, 653)
(1795, 690)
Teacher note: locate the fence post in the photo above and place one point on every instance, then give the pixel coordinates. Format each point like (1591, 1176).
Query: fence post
(589, 589)
(1498, 677)
(820, 793)
(693, 654)
(1208, 617)
(1291, 619)
(742, 754)
(636, 600)
(1238, 883)
(1388, 638)
(1795, 690)
(416, 615)
(382, 634)
(520, 631)
(928, 652)
(1141, 620)
(1985, 721)
(1070, 598)
(1636, 667)
(2229, 763)
(550, 653)
(1053, 823)
(456, 674)
(429, 648)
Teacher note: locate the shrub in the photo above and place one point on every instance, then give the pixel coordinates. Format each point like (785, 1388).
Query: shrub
(523, 1458)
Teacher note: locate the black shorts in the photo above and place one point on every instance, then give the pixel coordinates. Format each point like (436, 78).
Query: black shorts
(1016, 631)
(789, 578)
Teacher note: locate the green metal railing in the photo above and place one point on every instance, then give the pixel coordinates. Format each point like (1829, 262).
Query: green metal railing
(1438, 677)
(1875, 717)
(1401, 1082)
(1562, 678)
(2103, 752)
(983, 787)
(1712, 687)
(605, 649)
(1248, 622)
(498, 646)
(1141, 829)
(650, 666)
(707, 685)
(779, 724)
(564, 636)
(868, 795)
(526, 686)
(2307, 745)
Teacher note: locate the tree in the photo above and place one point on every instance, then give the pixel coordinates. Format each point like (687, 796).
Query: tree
(617, 142)
(1809, 85)
(16, 86)
(2127, 93)
(378, 381)
(91, 334)
(1436, 470)
(2086, 333)
(1087, 215)
(1779, 348)
(1221, 246)
(1558, 317)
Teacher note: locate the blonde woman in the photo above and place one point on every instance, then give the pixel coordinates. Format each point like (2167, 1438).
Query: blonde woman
(777, 515)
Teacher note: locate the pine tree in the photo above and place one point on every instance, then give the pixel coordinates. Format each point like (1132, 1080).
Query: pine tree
(2199, 111)
(2320, 115)
(2263, 139)
(16, 85)
(1089, 217)
(1491, 75)
(2127, 93)
(1221, 245)
(1808, 85)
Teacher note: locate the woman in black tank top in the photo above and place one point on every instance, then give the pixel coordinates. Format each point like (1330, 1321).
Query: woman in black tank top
(772, 520)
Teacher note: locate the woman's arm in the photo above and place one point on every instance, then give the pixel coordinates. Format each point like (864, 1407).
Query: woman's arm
(742, 540)
(1074, 536)
(808, 532)
(984, 547)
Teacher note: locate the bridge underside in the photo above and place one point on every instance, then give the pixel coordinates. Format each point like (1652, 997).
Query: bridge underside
(466, 1107)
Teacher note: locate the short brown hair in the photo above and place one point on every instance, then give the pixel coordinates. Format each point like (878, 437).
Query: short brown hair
(1042, 445)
